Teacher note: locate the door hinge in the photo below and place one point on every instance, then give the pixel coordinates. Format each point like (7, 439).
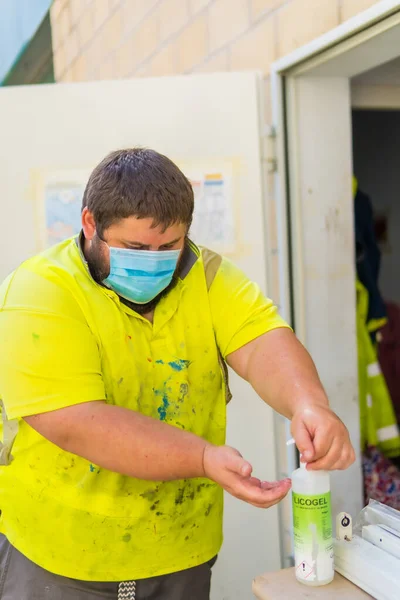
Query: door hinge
(268, 148)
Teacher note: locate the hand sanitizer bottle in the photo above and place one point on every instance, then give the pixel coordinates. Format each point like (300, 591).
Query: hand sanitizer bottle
(312, 526)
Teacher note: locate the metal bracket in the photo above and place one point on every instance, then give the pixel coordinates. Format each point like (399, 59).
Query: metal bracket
(268, 155)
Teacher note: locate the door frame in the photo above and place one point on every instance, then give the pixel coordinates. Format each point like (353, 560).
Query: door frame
(317, 76)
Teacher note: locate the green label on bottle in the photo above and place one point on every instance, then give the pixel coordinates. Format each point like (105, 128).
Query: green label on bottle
(312, 527)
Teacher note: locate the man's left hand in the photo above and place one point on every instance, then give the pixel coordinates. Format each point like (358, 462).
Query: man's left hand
(322, 439)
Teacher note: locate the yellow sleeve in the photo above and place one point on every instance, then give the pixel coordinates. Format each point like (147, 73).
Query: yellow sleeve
(49, 358)
(240, 311)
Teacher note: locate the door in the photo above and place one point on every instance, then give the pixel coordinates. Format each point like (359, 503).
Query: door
(324, 268)
(311, 97)
(53, 135)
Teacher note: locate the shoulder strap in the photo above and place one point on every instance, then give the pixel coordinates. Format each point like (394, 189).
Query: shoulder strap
(212, 262)
(10, 430)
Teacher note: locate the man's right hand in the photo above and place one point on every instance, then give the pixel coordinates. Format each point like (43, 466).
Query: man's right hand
(233, 473)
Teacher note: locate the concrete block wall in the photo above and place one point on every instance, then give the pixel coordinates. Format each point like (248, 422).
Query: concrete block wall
(98, 39)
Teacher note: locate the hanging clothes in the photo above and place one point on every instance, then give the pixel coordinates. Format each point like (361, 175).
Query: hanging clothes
(378, 424)
(389, 354)
(368, 257)
(381, 479)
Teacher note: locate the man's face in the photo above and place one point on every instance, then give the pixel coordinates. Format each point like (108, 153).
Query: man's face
(130, 233)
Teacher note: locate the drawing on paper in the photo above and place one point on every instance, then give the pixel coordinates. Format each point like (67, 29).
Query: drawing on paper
(58, 200)
(63, 203)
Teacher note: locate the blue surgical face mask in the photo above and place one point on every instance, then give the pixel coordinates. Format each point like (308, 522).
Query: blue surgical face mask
(140, 275)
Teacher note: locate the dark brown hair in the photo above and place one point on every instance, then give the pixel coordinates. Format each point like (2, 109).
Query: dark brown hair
(138, 182)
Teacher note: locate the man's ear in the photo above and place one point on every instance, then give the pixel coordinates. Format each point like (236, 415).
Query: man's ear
(88, 224)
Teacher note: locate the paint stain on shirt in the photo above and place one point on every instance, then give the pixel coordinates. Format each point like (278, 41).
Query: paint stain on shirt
(162, 410)
(177, 365)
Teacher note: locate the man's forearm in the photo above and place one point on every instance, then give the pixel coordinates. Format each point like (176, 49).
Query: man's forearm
(285, 378)
(124, 441)
(281, 371)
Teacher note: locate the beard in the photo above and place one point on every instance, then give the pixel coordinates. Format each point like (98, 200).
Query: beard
(97, 264)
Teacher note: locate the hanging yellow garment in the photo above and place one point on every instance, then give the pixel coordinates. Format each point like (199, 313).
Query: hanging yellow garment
(378, 423)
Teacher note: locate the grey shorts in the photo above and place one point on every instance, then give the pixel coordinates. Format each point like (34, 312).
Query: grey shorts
(21, 579)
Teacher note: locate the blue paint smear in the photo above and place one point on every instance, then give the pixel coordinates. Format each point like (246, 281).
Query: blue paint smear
(179, 365)
(176, 365)
(92, 468)
(162, 410)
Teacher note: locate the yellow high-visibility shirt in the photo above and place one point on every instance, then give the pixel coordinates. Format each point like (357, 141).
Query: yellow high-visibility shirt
(65, 340)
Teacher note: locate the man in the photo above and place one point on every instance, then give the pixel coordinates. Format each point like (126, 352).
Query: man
(111, 347)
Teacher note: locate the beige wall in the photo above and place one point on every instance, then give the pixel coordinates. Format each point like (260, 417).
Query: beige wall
(108, 39)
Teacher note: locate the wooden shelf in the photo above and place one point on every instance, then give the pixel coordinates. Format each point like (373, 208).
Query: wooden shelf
(282, 585)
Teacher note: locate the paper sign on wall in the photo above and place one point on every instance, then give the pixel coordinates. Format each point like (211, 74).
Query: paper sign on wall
(213, 220)
(213, 223)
